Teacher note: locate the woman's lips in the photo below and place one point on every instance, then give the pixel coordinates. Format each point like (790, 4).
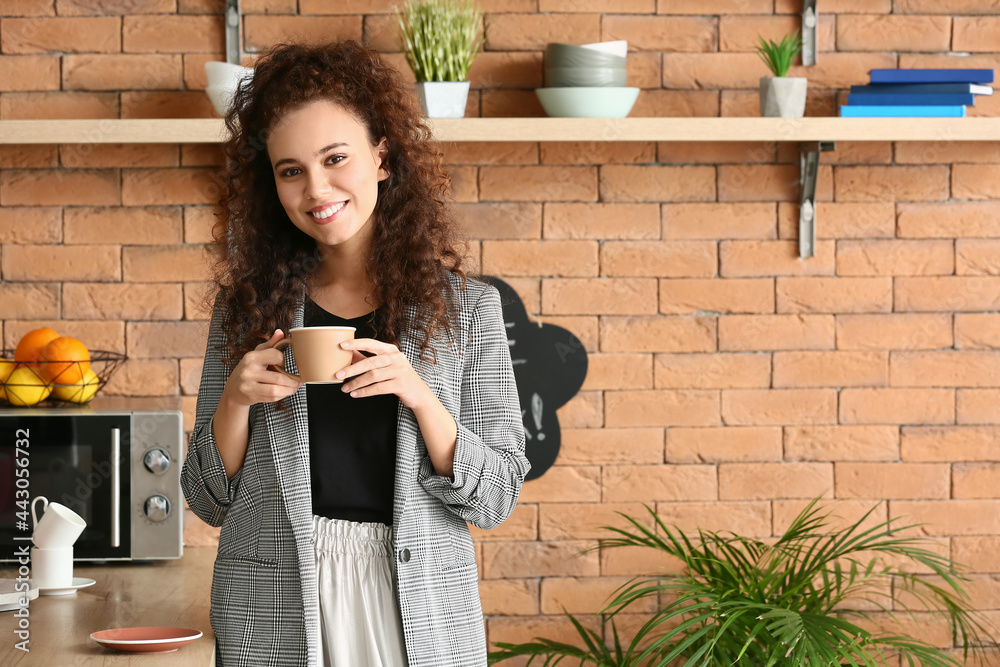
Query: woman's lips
(328, 213)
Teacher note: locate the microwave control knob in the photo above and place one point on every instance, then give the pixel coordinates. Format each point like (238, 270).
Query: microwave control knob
(157, 508)
(156, 461)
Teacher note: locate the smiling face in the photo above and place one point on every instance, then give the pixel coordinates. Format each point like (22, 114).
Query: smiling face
(327, 172)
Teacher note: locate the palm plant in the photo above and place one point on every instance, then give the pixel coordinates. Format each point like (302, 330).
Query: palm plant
(440, 38)
(788, 604)
(778, 56)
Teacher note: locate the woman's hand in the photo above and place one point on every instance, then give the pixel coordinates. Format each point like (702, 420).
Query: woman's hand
(253, 382)
(388, 372)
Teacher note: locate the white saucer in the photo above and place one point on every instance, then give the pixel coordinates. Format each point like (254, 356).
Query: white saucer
(78, 582)
(11, 595)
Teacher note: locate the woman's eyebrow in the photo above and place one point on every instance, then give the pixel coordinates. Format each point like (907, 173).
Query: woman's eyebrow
(336, 144)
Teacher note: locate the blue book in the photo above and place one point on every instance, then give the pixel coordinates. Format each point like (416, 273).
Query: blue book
(923, 88)
(932, 76)
(868, 111)
(908, 99)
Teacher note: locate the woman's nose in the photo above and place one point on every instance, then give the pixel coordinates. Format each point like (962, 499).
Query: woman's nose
(317, 186)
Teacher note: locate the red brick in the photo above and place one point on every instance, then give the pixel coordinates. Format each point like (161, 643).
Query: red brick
(28, 8)
(947, 220)
(55, 105)
(97, 335)
(75, 156)
(662, 407)
(763, 481)
(489, 152)
(608, 6)
(100, 7)
(741, 33)
(831, 369)
(585, 595)
(144, 377)
(952, 368)
(716, 152)
(341, 7)
(39, 262)
(195, 77)
(958, 293)
(509, 596)
(157, 264)
(848, 152)
(928, 331)
(195, 305)
(949, 517)
(719, 221)
(975, 480)
(949, 443)
(943, 7)
(713, 6)
(974, 181)
(644, 69)
(95, 35)
(564, 484)
(463, 186)
(978, 257)
(191, 370)
(122, 72)
(897, 406)
(946, 151)
(29, 73)
(746, 103)
(663, 259)
(175, 104)
(746, 259)
(743, 70)
(834, 295)
(521, 629)
(505, 183)
(499, 221)
(598, 152)
(507, 560)
(503, 103)
(166, 339)
(895, 258)
(634, 561)
(30, 224)
(665, 482)
(727, 295)
(675, 103)
(517, 69)
(662, 33)
(841, 220)
(202, 155)
(611, 446)
(601, 296)
(752, 519)
(712, 371)
(152, 187)
(532, 32)
(28, 156)
(198, 223)
(979, 554)
(978, 33)
(260, 31)
(895, 33)
(540, 258)
(776, 332)
(769, 182)
(619, 371)
(585, 328)
(125, 226)
(778, 407)
(57, 186)
(842, 513)
(578, 521)
(977, 331)
(892, 183)
(978, 406)
(658, 334)
(97, 301)
(29, 301)
(893, 480)
(634, 183)
(842, 443)
(601, 221)
(721, 444)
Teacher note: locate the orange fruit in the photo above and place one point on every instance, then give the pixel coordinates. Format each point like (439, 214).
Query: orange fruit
(24, 387)
(80, 392)
(29, 348)
(67, 360)
(6, 368)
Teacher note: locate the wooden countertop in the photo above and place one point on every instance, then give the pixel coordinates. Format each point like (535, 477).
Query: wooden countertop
(174, 593)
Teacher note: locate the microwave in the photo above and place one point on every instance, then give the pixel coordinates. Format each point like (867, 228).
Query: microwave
(118, 468)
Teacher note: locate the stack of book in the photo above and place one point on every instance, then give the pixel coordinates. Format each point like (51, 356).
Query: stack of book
(918, 93)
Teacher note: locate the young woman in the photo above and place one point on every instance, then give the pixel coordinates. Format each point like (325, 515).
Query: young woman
(343, 507)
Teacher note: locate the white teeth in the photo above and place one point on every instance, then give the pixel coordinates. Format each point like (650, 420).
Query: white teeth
(327, 212)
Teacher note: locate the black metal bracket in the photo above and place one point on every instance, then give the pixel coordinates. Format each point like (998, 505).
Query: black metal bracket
(808, 174)
(233, 20)
(810, 22)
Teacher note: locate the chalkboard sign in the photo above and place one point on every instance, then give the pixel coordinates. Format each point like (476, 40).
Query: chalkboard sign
(550, 365)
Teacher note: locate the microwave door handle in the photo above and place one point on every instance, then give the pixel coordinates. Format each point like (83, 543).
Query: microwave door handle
(115, 487)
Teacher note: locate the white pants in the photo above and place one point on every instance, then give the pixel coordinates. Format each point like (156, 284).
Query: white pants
(359, 615)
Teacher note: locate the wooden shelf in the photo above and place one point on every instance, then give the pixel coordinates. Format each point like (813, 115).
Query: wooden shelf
(212, 130)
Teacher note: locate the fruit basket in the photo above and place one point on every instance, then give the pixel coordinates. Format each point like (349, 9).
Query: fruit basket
(27, 387)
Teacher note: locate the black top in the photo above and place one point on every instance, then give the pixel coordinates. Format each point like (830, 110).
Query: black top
(352, 441)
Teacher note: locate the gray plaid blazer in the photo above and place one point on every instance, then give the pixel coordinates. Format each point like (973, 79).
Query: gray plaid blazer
(264, 592)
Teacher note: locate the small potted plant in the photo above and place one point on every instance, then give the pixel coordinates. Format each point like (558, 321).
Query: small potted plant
(440, 39)
(781, 96)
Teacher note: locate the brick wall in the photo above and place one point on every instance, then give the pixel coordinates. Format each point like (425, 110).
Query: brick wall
(729, 380)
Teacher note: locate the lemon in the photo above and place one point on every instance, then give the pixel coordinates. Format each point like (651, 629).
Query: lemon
(81, 392)
(6, 368)
(24, 387)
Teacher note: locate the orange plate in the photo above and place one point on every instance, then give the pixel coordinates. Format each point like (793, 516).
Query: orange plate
(146, 640)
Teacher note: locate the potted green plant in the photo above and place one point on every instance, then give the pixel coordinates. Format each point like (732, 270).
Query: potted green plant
(740, 601)
(440, 39)
(781, 96)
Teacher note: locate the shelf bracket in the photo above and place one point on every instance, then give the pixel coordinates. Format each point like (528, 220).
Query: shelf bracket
(810, 21)
(808, 173)
(233, 20)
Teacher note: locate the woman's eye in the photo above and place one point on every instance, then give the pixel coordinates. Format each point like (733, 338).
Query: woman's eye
(334, 159)
(294, 171)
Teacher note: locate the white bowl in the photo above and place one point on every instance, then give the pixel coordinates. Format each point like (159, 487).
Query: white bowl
(223, 79)
(600, 102)
(616, 48)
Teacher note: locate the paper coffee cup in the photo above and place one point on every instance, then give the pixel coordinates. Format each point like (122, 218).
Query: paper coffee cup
(318, 354)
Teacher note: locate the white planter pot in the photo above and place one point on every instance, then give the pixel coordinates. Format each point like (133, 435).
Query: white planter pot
(443, 99)
(783, 96)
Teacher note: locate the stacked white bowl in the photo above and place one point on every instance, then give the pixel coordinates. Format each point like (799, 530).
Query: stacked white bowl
(587, 81)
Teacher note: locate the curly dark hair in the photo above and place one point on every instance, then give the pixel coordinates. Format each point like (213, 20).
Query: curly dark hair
(265, 261)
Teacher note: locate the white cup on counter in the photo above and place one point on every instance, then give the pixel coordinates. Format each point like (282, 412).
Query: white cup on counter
(59, 526)
(52, 568)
